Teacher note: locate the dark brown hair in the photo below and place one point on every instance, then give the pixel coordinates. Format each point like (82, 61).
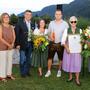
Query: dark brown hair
(39, 23)
(28, 11)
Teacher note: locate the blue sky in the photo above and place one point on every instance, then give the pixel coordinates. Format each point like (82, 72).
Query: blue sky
(17, 6)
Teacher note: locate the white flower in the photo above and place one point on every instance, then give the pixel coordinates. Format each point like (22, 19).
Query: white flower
(80, 31)
(89, 27)
(85, 46)
(87, 30)
(86, 34)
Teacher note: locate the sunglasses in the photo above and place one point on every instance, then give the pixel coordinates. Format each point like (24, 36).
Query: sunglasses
(73, 21)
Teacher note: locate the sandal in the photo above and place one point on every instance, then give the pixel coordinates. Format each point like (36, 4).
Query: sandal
(11, 77)
(70, 80)
(3, 79)
(77, 83)
(40, 74)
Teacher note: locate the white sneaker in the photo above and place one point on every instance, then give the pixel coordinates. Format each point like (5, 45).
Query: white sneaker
(48, 74)
(59, 73)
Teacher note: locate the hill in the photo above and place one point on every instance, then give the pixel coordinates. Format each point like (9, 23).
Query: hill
(78, 8)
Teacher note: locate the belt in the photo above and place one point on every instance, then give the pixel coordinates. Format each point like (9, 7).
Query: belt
(54, 43)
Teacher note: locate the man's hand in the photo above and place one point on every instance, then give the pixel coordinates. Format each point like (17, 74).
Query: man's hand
(18, 47)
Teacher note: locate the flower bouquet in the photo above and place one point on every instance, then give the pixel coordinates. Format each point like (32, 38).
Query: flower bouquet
(40, 42)
(85, 40)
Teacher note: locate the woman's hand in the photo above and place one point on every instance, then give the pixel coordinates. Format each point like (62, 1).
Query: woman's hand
(10, 47)
(68, 50)
(12, 44)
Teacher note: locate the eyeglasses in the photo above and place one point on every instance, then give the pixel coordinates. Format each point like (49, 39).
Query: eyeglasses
(73, 21)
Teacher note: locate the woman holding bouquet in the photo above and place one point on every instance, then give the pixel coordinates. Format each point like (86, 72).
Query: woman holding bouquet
(71, 61)
(39, 57)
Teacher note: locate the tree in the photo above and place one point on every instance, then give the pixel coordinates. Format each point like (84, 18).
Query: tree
(83, 22)
(13, 19)
(36, 18)
(47, 18)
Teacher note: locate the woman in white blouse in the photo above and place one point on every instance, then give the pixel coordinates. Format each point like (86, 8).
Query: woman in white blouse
(71, 60)
(39, 59)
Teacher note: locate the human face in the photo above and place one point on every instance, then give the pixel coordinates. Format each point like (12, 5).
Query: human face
(58, 15)
(73, 22)
(6, 19)
(42, 24)
(28, 16)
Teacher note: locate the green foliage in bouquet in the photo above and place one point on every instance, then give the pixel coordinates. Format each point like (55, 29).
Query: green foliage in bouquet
(40, 42)
(85, 40)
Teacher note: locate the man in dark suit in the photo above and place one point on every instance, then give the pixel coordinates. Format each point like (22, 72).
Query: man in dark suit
(23, 42)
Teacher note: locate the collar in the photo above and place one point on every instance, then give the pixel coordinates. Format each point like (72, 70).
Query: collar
(27, 21)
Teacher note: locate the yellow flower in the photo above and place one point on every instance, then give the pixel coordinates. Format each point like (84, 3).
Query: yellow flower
(46, 43)
(43, 39)
(40, 41)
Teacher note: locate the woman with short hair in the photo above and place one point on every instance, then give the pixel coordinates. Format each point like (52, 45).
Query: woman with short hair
(71, 61)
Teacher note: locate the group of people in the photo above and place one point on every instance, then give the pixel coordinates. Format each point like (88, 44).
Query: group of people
(18, 37)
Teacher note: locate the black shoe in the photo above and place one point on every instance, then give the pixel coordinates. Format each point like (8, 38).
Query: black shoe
(23, 76)
(70, 80)
(28, 74)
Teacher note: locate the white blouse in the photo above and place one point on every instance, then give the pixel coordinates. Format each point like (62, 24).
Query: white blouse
(37, 32)
(64, 37)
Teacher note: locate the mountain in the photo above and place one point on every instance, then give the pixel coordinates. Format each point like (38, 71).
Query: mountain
(50, 10)
(47, 10)
(77, 8)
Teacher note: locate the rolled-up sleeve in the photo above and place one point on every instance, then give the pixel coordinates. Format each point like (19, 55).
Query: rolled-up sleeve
(64, 37)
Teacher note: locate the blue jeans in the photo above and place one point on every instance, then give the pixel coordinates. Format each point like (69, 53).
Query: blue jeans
(25, 60)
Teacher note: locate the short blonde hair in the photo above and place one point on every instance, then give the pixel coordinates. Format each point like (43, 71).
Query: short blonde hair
(73, 17)
(2, 16)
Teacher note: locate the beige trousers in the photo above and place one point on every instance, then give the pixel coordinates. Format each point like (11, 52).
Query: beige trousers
(6, 63)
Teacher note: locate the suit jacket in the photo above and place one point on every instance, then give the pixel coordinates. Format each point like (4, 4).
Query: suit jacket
(21, 32)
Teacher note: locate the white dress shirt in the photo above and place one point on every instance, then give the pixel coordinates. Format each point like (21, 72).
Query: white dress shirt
(28, 23)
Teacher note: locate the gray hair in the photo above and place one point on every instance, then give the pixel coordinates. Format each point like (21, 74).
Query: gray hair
(73, 17)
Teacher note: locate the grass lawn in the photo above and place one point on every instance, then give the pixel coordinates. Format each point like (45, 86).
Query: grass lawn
(52, 83)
